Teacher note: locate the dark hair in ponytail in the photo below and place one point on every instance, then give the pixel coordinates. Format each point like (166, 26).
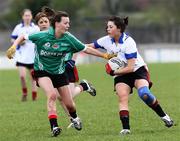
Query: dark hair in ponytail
(126, 21)
(121, 23)
(49, 12)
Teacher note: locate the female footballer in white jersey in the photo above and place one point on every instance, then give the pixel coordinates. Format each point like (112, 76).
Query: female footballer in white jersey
(25, 52)
(134, 74)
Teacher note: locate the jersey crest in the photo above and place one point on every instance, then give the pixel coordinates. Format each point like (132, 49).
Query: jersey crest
(55, 46)
(47, 45)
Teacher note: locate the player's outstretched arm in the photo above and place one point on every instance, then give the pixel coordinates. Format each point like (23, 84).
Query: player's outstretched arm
(91, 45)
(92, 51)
(109, 56)
(11, 51)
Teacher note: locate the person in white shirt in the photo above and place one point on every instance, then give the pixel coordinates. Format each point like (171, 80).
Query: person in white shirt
(24, 55)
(134, 74)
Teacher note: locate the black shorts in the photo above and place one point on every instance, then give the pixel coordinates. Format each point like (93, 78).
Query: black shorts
(58, 80)
(28, 66)
(130, 78)
(72, 74)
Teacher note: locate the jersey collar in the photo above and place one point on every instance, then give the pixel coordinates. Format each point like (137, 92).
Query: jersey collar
(120, 39)
(51, 31)
(31, 24)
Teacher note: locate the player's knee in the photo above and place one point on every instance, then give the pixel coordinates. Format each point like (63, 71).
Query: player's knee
(123, 95)
(145, 94)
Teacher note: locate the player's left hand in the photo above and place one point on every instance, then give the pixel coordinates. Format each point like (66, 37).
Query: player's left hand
(10, 52)
(108, 56)
(109, 70)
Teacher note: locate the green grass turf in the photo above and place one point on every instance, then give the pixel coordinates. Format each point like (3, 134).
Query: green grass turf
(27, 121)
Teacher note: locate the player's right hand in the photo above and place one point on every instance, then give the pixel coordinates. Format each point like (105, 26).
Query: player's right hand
(112, 55)
(10, 52)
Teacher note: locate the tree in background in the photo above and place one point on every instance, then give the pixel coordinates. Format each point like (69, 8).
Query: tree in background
(114, 7)
(73, 7)
(142, 12)
(17, 7)
(163, 12)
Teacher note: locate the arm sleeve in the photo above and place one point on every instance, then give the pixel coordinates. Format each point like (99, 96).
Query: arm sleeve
(14, 34)
(77, 45)
(100, 43)
(131, 50)
(35, 36)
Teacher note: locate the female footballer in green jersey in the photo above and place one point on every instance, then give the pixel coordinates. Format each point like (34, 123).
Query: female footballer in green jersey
(49, 65)
(42, 19)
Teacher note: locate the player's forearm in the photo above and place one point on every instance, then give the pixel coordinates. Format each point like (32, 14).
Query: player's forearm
(128, 69)
(18, 41)
(91, 45)
(124, 70)
(92, 51)
(11, 51)
(12, 41)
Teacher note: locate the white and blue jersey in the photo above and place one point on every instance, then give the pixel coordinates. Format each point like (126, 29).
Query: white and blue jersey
(125, 49)
(25, 53)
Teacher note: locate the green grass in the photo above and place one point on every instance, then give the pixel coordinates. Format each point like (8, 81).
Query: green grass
(27, 121)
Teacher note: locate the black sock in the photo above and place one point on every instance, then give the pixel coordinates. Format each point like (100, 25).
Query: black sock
(73, 114)
(84, 86)
(124, 117)
(157, 108)
(53, 122)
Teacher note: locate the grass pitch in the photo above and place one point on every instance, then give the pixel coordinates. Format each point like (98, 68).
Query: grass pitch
(27, 121)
